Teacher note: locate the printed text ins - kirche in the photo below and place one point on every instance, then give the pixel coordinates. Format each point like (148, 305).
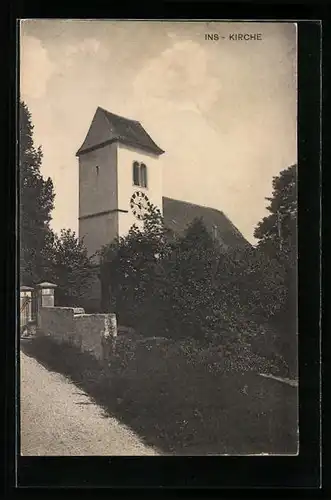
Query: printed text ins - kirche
(234, 36)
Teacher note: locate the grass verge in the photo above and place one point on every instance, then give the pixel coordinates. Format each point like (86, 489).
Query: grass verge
(180, 408)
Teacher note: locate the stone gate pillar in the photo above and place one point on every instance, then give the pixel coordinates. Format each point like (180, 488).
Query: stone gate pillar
(45, 298)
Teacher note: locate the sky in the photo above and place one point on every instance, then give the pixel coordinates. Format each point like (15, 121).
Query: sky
(225, 111)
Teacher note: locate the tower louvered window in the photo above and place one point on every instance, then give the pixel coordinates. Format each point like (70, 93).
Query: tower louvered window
(136, 176)
(139, 172)
(143, 175)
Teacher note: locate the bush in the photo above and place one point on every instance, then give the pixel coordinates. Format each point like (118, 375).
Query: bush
(136, 353)
(69, 266)
(185, 288)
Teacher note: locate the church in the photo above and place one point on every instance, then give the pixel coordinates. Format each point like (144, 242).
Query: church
(120, 176)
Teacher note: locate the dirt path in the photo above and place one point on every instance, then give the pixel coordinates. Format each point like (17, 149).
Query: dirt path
(57, 418)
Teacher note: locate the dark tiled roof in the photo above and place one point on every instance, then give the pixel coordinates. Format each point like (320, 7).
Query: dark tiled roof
(107, 127)
(179, 214)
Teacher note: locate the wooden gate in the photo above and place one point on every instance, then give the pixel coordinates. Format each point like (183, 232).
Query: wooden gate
(27, 308)
(26, 315)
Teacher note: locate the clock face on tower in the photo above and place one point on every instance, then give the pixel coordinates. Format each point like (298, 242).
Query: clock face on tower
(139, 204)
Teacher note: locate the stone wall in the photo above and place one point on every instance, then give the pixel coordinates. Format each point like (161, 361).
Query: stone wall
(93, 333)
(57, 322)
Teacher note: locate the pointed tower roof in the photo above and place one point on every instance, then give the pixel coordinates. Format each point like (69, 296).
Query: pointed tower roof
(107, 127)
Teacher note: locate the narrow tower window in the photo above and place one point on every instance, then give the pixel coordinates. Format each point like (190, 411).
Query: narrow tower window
(139, 174)
(97, 169)
(143, 175)
(135, 172)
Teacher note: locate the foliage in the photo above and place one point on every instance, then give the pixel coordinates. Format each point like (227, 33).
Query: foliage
(69, 266)
(129, 265)
(184, 287)
(255, 282)
(234, 357)
(184, 283)
(36, 203)
(277, 235)
(44, 255)
(277, 232)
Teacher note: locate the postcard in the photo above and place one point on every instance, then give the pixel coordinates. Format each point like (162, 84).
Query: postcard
(158, 248)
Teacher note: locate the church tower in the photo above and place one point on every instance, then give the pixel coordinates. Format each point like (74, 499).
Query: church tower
(120, 176)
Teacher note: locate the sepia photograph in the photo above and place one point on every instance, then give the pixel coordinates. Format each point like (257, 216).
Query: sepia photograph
(157, 163)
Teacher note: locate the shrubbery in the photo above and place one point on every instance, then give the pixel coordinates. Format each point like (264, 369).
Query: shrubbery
(134, 354)
(44, 255)
(69, 267)
(185, 287)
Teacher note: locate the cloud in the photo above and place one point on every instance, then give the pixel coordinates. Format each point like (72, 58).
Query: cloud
(180, 75)
(88, 46)
(225, 114)
(36, 68)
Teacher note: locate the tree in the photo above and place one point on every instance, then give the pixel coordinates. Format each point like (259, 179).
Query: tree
(184, 286)
(277, 235)
(36, 203)
(277, 232)
(68, 266)
(128, 268)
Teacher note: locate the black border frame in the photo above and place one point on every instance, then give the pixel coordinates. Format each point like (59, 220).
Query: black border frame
(209, 473)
